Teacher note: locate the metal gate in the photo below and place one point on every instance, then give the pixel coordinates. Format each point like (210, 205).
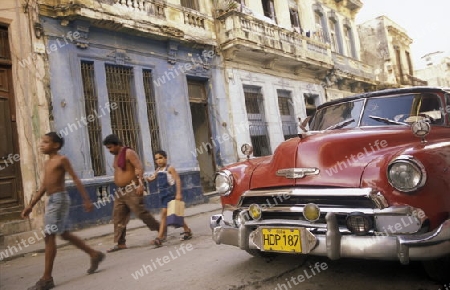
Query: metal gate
(123, 119)
(94, 127)
(254, 105)
(151, 111)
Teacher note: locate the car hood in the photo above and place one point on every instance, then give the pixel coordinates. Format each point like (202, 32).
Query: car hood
(334, 158)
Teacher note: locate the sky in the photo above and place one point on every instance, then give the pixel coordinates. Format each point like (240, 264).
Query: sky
(427, 23)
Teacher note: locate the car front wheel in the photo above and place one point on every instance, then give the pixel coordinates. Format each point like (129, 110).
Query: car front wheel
(438, 270)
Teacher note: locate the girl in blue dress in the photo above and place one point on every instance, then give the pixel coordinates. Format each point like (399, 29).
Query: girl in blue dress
(169, 186)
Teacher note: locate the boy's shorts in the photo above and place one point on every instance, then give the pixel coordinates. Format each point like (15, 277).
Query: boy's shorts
(57, 213)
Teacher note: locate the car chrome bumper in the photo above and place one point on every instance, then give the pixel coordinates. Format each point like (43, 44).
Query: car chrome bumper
(333, 245)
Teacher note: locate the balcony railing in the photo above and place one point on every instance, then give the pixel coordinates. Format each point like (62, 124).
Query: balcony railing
(150, 7)
(352, 66)
(194, 18)
(147, 17)
(259, 34)
(351, 4)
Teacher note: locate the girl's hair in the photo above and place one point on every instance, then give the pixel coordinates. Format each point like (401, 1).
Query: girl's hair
(161, 152)
(56, 138)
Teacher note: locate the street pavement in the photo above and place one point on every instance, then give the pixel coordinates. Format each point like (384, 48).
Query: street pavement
(200, 264)
(22, 249)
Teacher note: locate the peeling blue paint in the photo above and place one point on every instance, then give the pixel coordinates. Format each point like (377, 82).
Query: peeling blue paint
(172, 60)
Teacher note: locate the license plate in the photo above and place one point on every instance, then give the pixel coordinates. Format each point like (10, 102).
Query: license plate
(281, 240)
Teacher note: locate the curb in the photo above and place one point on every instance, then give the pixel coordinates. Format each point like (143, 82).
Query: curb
(92, 237)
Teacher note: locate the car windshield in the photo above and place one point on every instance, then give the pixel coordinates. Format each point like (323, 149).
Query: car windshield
(403, 110)
(341, 115)
(380, 111)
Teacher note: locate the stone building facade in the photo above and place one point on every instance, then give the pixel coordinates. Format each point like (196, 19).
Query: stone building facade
(386, 47)
(24, 114)
(281, 58)
(436, 69)
(194, 78)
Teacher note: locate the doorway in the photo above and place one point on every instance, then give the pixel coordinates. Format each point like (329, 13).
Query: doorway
(204, 144)
(11, 199)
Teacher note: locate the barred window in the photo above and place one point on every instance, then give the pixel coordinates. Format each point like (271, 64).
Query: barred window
(258, 126)
(151, 111)
(93, 126)
(123, 119)
(288, 121)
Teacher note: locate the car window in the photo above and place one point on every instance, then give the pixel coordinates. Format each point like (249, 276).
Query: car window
(338, 116)
(403, 110)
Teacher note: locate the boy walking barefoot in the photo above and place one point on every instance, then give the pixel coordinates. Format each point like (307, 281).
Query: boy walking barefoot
(57, 208)
(169, 185)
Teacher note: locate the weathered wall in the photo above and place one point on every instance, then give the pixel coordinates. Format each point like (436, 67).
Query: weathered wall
(30, 89)
(436, 69)
(238, 78)
(170, 89)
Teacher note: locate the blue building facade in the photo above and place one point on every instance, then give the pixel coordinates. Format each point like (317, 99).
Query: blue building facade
(155, 93)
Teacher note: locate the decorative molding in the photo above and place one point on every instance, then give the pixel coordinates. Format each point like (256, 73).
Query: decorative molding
(270, 63)
(318, 9)
(82, 28)
(230, 54)
(199, 69)
(120, 56)
(332, 16)
(347, 23)
(172, 49)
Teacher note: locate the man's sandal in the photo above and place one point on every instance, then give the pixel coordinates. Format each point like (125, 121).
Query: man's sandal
(43, 285)
(186, 235)
(157, 242)
(116, 248)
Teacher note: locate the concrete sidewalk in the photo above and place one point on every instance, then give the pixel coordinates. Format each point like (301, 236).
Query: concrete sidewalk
(22, 248)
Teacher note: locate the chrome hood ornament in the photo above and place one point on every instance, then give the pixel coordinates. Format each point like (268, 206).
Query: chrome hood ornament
(421, 129)
(297, 172)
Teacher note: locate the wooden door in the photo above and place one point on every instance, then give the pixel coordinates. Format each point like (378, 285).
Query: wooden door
(11, 199)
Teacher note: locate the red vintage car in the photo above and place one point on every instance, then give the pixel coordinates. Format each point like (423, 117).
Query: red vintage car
(370, 180)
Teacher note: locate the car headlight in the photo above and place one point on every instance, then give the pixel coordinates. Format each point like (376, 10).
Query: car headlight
(406, 174)
(224, 182)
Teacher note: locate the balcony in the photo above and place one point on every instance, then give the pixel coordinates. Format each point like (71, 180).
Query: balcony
(354, 69)
(127, 8)
(351, 4)
(152, 18)
(410, 80)
(246, 38)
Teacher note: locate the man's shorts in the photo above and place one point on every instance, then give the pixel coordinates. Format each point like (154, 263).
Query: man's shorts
(57, 213)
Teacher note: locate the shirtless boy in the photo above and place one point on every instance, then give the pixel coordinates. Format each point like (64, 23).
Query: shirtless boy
(57, 208)
(128, 174)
